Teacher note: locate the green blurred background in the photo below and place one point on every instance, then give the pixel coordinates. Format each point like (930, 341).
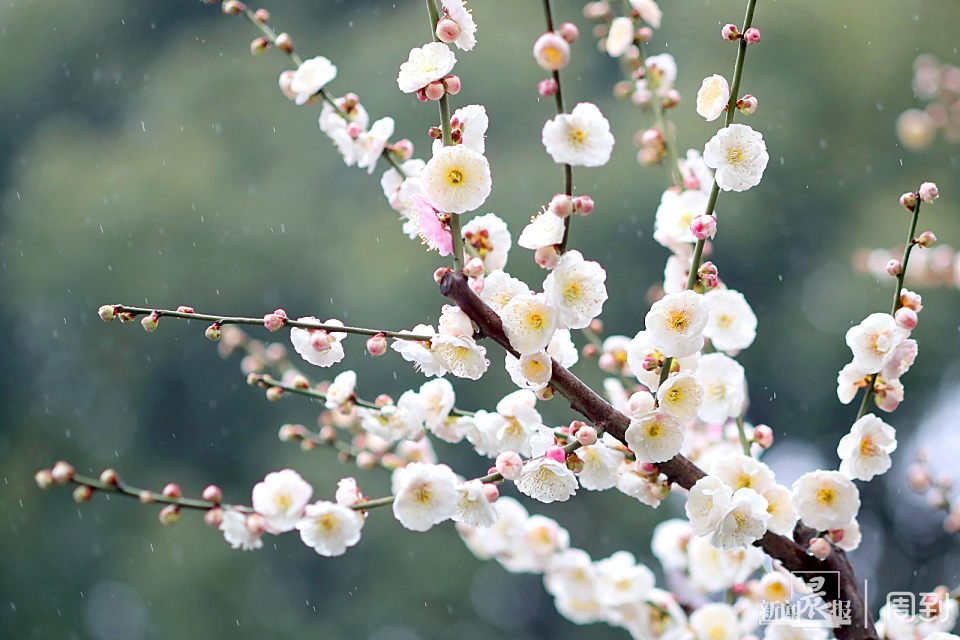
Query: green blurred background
(146, 157)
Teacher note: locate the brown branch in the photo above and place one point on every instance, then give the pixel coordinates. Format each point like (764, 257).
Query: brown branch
(679, 470)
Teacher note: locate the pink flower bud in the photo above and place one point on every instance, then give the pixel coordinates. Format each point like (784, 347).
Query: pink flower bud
(354, 130)
(272, 322)
(110, 477)
(473, 268)
(556, 453)
(551, 52)
(894, 267)
(491, 492)
(652, 137)
(434, 90)
(671, 99)
(44, 478)
(212, 493)
(439, 273)
(377, 345)
(447, 30)
(366, 460)
(763, 436)
(906, 318)
(452, 84)
(918, 478)
(590, 351)
(926, 239)
(547, 257)
(149, 321)
(256, 524)
(648, 468)
(213, 518)
(169, 515)
(583, 205)
(289, 432)
(649, 156)
(911, 300)
(547, 87)
(172, 491)
(909, 201)
(730, 32)
(107, 312)
(284, 42)
(748, 104)
(820, 548)
(644, 34)
(587, 436)
(82, 494)
(751, 35)
(509, 465)
(608, 362)
(561, 205)
(835, 535)
(928, 192)
(259, 45)
(233, 7)
(403, 149)
(422, 95)
(274, 394)
(651, 362)
(146, 497)
(320, 340)
(569, 32)
(703, 227)
(262, 16)
(62, 472)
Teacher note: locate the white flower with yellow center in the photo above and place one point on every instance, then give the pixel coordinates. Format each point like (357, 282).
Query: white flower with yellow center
(488, 238)
(783, 517)
(671, 226)
(536, 368)
(499, 288)
(825, 499)
(739, 156)
(681, 395)
(236, 532)
(576, 289)
(473, 122)
(849, 382)
(731, 323)
(707, 503)
(715, 621)
(675, 324)
(648, 11)
(310, 77)
(473, 508)
(544, 230)
(547, 480)
(520, 424)
(341, 389)
(865, 451)
(712, 98)
(621, 580)
(655, 437)
(580, 138)
(330, 528)
(742, 472)
(744, 522)
(425, 64)
(620, 36)
(776, 586)
(461, 356)
(713, 569)
(318, 347)
(425, 495)
(561, 349)
(641, 350)
(280, 498)
(454, 322)
(601, 464)
(457, 179)
(724, 387)
(874, 341)
(458, 12)
(529, 322)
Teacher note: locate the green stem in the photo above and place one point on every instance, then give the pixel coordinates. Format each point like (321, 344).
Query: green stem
(744, 443)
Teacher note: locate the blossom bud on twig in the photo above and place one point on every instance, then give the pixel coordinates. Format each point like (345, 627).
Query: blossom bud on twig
(569, 32)
(547, 87)
(110, 477)
(551, 52)
(751, 35)
(146, 497)
(212, 493)
(107, 312)
(83, 493)
(926, 239)
(169, 515)
(547, 257)
(820, 548)
(452, 84)
(583, 205)
(284, 42)
(704, 227)
(377, 345)
(274, 394)
(894, 267)
(233, 7)
(928, 192)
(62, 472)
(213, 518)
(150, 321)
(434, 90)
(748, 104)
(730, 32)
(262, 16)
(587, 436)
(172, 490)
(906, 318)
(259, 45)
(473, 268)
(909, 201)
(447, 30)
(44, 478)
(491, 492)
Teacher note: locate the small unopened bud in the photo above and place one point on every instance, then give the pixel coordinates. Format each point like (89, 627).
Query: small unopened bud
(169, 515)
(906, 318)
(926, 239)
(213, 332)
(587, 436)
(708, 275)
(551, 52)
(608, 362)
(82, 494)
(730, 32)
(259, 45)
(383, 400)
(820, 548)
(644, 34)
(354, 130)
(583, 205)
(213, 518)
(107, 312)
(894, 267)
(262, 16)
(912, 300)
(62, 472)
(509, 465)
(652, 137)
(590, 351)
(173, 491)
(289, 432)
(434, 90)
(403, 149)
(671, 99)
(574, 463)
(763, 436)
(233, 7)
(547, 87)
(556, 453)
(569, 32)
(377, 345)
(273, 322)
(44, 478)
(545, 393)
(300, 381)
(748, 104)
(366, 460)
(110, 477)
(274, 394)
(473, 268)
(917, 478)
(596, 325)
(284, 42)
(213, 493)
(447, 30)
(146, 497)
(561, 205)
(452, 84)
(704, 227)
(909, 201)
(149, 322)
(547, 257)
(256, 524)
(751, 35)
(928, 192)
(491, 492)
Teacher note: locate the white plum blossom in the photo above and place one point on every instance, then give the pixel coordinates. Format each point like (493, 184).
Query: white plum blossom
(580, 138)
(636, 484)
(341, 389)
(457, 179)
(438, 399)
(472, 121)
(236, 532)
(743, 472)
(661, 74)
(316, 346)
(280, 498)
(849, 382)
(847, 537)
(783, 517)
(536, 368)
(458, 12)
(655, 437)
(739, 156)
(649, 11)
(473, 508)
(370, 143)
(425, 495)
(676, 271)
(713, 569)
(576, 289)
(620, 36)
(707, 504)
(715, 621)
(724, 387)
(681, 395)
(499, 288)
(546, 479)
(561, 349)
(461, 356)
(865, 451)
(571, 573)
(454, 322)
(675, 323)
(621, 580)
(488, 238)
(731, 323)
(825, 499)
(669, 543)
(903, 358)
(676, 211)
(310, 77)
(713, 96)
(330, 528)
(404, 420)
(544, 230)
(601, 463)
(641, 348)
(426, 64)
(529, 322)
(874, 341)
(419, 353)
(744, 522)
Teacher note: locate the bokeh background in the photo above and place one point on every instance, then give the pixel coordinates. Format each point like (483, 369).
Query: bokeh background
(146, 157)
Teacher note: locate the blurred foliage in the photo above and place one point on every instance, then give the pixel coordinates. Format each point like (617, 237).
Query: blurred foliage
(146, 158)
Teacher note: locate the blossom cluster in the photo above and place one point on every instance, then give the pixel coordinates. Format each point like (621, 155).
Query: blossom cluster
(937, 84)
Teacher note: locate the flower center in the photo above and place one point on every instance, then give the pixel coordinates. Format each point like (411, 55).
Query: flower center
(553, 55)
(454, 177)
(577, 136)
(868, 447)
(571, 292)
(328, 522)
(677, 321)
(826, 496)
(675, 395)
(744, 481)
(422, 494)
(736, 155)
(283, 501)
(725, 320)
(654, 429)
(535, 320)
